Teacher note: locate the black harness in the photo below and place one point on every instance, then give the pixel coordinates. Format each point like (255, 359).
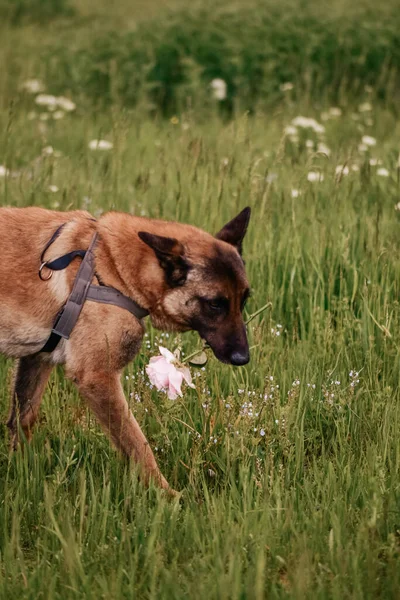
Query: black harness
(82, 290)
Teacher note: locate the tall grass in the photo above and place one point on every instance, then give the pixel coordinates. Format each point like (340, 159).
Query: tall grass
(290, 466)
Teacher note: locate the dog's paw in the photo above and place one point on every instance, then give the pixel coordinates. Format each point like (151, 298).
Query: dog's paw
(173, 495)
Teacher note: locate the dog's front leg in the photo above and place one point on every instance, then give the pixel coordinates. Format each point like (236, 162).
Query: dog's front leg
(104, 394)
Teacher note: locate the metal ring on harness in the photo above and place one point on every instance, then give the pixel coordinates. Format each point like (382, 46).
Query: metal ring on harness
(42, 266)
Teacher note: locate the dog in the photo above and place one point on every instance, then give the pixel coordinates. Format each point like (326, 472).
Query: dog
(183, 277)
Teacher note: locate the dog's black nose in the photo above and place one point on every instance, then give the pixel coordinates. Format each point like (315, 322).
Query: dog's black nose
(240, 358)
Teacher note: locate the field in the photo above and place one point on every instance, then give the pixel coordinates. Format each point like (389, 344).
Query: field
(289, 467)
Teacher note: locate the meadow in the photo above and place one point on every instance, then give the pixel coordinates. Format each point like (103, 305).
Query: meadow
(289, 467)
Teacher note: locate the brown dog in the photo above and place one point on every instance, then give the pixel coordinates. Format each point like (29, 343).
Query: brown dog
(186, 279)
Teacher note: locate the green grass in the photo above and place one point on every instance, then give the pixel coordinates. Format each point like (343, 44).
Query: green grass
(161, 55)
(312, 507)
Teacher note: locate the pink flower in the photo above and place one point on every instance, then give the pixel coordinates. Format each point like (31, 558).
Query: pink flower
(167, 374)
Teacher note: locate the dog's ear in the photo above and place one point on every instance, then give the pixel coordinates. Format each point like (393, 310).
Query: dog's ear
(234, 231)
(171, 256)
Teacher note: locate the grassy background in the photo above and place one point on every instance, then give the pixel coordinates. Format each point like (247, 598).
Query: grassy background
(312, 507)
(162, 55)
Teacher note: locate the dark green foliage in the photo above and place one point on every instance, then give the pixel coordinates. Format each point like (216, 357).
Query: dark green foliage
(254, 49)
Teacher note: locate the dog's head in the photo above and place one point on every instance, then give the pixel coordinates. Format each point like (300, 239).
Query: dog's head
(205, 286)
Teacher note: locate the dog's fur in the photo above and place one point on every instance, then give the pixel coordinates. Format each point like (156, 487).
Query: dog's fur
(186, 279)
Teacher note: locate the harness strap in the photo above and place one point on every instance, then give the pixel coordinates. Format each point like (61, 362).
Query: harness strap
(52, 341)
(72, 309)
(58, 264)
(82, 290)
(109, 295)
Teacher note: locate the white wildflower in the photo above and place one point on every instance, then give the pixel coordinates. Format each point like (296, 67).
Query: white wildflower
(4, 172)
(319, 128)
(315, 176)
(100, 145)
(397, 206)
(262, 432)
(374, 162)
(290, 130)
(335, 111)
(324, 149)
(58, 114)
(286, 87)
(33, 86)
(219, 89)
(295, 193)
(368, 140)
(53, 188)
(303, 122)
(365, 107)
(48, 150)
(65, 104)
(382, 172)
(308, 123)
(342, 170)
(46, 100)
(362, 147)
(309, 144)
(53, 102)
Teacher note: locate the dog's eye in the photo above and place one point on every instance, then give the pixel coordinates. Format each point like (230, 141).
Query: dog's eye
(217, 305)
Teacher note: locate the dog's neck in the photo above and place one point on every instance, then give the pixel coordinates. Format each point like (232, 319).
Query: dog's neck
(126, 263)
